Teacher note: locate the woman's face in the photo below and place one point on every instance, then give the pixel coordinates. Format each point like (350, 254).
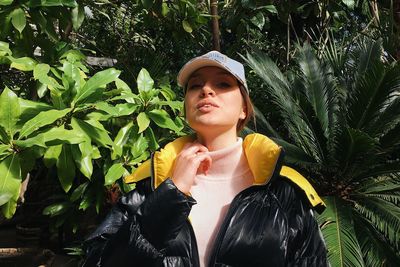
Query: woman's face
(213, 100)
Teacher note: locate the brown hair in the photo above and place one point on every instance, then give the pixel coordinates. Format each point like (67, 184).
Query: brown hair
(249, 109)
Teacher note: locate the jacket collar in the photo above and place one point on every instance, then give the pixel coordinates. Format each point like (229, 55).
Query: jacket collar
(261, 152)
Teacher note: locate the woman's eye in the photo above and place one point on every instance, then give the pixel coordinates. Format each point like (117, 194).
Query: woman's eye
(194, 86)
(224, 85)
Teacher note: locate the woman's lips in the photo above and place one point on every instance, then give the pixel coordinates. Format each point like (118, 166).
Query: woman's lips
(206, 106)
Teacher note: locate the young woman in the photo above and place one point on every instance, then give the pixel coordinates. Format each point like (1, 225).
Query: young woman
(213, 199)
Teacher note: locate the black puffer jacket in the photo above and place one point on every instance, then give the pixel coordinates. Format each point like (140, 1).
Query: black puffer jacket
(268, 224)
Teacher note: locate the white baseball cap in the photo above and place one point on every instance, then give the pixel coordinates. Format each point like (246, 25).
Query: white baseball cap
(212, 59)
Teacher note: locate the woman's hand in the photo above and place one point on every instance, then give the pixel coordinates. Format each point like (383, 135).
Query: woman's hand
(192, 159)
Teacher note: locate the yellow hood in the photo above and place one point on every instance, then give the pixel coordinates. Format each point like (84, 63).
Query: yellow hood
(261, 152)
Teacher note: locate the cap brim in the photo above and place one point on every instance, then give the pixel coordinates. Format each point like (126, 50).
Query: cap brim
(194, 65)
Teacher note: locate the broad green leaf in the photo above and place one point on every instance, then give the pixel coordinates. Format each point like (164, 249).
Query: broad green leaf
(117, 110)
(30, 109)
(122, 85)
(271, 9)
(338, 230)
(28, 158)
(258, 20)
(153, 144)
(186, 26)
(37, 140)
(18, 19)
(143, 121)
(96, 133)
(349, 3)
(9, 111)
(139, 147)
(96, 84)
(65, 167)
(5, 48)
(121, 139)
(5, 3)
(78, 15)
(164, 9)
(41, 89)
(22, 63)
(4, 138)
(51, 155)
(83, 159)
(78, 192)
(5, 197)
(10, 183)
(52, 3)
(42, 119)
(57, 209)
(114, 173)
(162, 119)
(60, 135)
(40, 71)
(88, 198)
(147, 3)
(5, 151)
(144, 81)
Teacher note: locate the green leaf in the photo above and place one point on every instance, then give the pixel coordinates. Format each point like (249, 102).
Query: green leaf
(5, 197)
(5, 48)
(83, 159)
(57, 209)
(37, 140)
(10, 183)
(186, 26)
(66, 168)
(147, 4)
(42, 119)
(349, 3)
(5, 151)
(18, 19)
(121, 139)
(114, 173)
(60, 135)
(22, 63)
(153, 144)
(338, 230)
(52, 3)
(77, 17)
(78, 192)
(96, 85)
(144, 81)
(143, 121)
(258, 20)
(96, 133)
(9, 111)
(162, 119)
(139, 147)
(5, 3)
(51, 155)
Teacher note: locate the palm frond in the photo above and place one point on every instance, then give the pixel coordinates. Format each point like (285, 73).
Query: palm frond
(263, 125)
(279, 89)
(295, 156)
(353, 146)
(383, 215)
(376, 252)
(382, 184)
(338, 229)
(378, 169)
(372, 89)
(390, 141)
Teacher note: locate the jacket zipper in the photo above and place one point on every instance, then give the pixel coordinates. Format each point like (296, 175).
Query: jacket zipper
(232, 208)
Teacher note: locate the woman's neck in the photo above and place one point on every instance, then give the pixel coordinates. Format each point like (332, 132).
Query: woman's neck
(217, 141)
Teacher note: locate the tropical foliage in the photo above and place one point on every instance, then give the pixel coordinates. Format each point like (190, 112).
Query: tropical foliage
(341, 113)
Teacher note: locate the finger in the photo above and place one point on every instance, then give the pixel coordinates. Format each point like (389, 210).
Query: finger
(190, 149)
(204, 160)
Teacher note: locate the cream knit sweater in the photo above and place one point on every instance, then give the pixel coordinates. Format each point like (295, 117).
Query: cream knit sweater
(229, 174)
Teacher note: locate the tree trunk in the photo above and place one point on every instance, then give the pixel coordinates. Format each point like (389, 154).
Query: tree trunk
(215, 26)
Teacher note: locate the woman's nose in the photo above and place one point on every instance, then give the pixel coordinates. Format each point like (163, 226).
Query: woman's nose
(207, 90)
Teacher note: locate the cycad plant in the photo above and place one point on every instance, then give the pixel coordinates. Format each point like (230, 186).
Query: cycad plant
(341, 112)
